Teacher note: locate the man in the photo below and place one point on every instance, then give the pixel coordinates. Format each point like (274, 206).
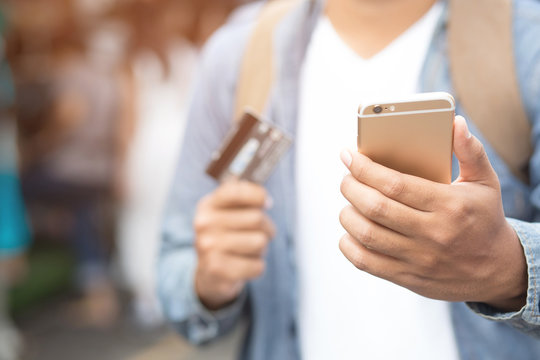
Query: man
(273, 252)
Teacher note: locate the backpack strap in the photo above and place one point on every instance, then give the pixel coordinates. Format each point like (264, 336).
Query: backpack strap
(484, 77)
(257, 68)
(482, 65)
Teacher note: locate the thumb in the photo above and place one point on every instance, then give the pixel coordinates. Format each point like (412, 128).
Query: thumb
(474, 165)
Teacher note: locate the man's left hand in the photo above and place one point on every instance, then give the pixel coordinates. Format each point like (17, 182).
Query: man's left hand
(447, 242)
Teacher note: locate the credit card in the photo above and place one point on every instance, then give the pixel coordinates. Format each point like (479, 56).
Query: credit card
(250, 151)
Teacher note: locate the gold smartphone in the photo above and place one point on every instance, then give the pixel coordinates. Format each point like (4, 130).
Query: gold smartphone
(412, 135)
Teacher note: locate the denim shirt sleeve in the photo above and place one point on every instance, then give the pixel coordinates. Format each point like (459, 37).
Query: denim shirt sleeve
(208, 121)
(527, 319)
(527, 50)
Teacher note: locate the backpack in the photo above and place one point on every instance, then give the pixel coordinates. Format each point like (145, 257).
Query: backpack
(481, 58)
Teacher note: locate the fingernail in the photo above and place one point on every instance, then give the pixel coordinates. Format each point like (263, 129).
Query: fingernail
(469, 135)
(268, 202)
(346, 157)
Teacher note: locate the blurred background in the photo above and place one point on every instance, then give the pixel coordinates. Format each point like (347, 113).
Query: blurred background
(93, 101)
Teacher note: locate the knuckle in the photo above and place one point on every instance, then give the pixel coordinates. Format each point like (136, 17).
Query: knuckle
(466, 210)
(258, 218)
(353, 253)
(441, 238)
(253, 193)
(455, 210)
(204, 244)
(201, 221)
(377, 209)
(365, 235)
(395, 187)
(259, 242)
(359, 169)
(479, 154)
(430, 261)
(359, 260)
(430, 197)
(458, 216)
(258, 194)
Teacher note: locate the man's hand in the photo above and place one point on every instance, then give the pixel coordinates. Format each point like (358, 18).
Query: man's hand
(232, 232)
(447, 242)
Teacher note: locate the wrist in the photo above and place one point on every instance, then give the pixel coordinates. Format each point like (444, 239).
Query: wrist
(509, 305)
(514, 283)
(212, 299)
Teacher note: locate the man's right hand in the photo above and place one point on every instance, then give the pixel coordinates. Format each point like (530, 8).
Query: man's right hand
(232, 232)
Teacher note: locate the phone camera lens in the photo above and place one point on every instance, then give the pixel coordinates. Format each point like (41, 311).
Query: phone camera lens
(377, 109)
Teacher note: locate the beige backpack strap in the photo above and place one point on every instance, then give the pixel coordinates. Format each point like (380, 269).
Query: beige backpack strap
(257, 68)
(484, 77)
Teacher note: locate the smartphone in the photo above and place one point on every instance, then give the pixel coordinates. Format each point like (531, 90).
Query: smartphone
(412, 135)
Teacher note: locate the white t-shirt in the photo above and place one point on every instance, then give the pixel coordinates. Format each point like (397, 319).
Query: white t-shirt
(345, 313)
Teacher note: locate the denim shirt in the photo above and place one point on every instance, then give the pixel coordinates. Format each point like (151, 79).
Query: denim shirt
(270, 301)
